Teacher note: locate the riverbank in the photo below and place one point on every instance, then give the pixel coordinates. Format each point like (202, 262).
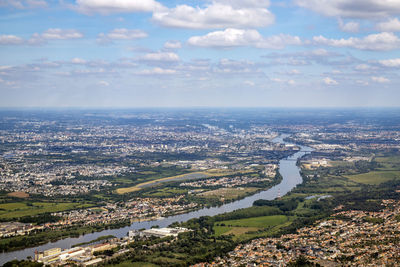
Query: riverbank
(290, 178)
(76, 230)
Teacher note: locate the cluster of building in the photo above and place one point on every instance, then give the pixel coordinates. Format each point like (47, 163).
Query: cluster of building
(157, 232)
(8, 229)
(313, 164)
(79, 256)
(135, 209)
(355, 137)
(351, 238)
(91, 254)
(225, 182)
(49, 178)
(54, 161)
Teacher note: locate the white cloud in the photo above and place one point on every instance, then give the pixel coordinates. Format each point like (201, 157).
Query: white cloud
(329, 81)
(104, 83)
(225, 62)
(23, 4)
(318, 56)
(54, 34)
(36, 39)
(352, 8)
(350, 26)
(242, 67)
(279, 80)
(392, 25)
(245, 3)
(100, 72)
(157, 71)
(380, 79)
(294, 72)
(239, 37)
(121, 34)
(4, 67)
(320, 52)
(279, 41)
(125, 34)
(227, 38)
(161, 56)
(249, 83)
(395, 62)
(217, 15)
(172, 45)
(379, 41)
(61, 34)
(78, 61)
(363, 67)
(289, 72)
(116, 6)
(10, 40)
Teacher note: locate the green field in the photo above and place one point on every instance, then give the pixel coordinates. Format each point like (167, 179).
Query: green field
(389, 163)
(236, 231)
(340, 163)
(375, 177)
(228, 193)
(21, 209)
(165, 192)
(248, 228)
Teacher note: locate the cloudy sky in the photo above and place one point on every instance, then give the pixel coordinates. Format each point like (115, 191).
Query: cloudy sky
(245, 53)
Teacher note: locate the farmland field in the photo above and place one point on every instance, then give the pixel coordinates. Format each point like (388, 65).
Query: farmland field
(248, 228)
(228, 193)
(375, 177)
(20, 209)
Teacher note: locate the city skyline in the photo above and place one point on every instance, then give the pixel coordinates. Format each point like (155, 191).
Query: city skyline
(221, 53)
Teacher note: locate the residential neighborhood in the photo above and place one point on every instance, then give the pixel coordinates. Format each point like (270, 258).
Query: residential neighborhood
(350, 238)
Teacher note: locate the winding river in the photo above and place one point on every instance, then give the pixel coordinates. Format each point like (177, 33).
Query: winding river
(287, 168)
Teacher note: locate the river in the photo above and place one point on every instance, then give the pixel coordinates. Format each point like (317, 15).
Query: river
(290, 178)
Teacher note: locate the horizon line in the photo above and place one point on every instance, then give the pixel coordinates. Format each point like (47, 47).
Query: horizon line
(194, 107)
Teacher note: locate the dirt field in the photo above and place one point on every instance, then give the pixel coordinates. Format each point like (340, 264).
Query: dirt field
(18, 194)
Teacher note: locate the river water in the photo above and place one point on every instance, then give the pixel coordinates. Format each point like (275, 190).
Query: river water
(287, 167)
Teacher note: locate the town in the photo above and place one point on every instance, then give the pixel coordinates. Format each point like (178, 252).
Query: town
(100, 175)
(357, 238)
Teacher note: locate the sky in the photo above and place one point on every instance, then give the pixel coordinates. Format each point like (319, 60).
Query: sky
(217, 53)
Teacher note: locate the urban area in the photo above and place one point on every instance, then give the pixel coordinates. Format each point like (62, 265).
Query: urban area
(200, 188)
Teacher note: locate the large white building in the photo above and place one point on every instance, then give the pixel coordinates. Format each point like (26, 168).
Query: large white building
(158, 232)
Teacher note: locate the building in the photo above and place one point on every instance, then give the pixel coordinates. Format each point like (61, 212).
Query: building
(92, 262)
(46, 253)
(103, 246)
(158, 232)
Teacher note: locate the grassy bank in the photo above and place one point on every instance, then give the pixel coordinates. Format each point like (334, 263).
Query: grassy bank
(27, 208)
